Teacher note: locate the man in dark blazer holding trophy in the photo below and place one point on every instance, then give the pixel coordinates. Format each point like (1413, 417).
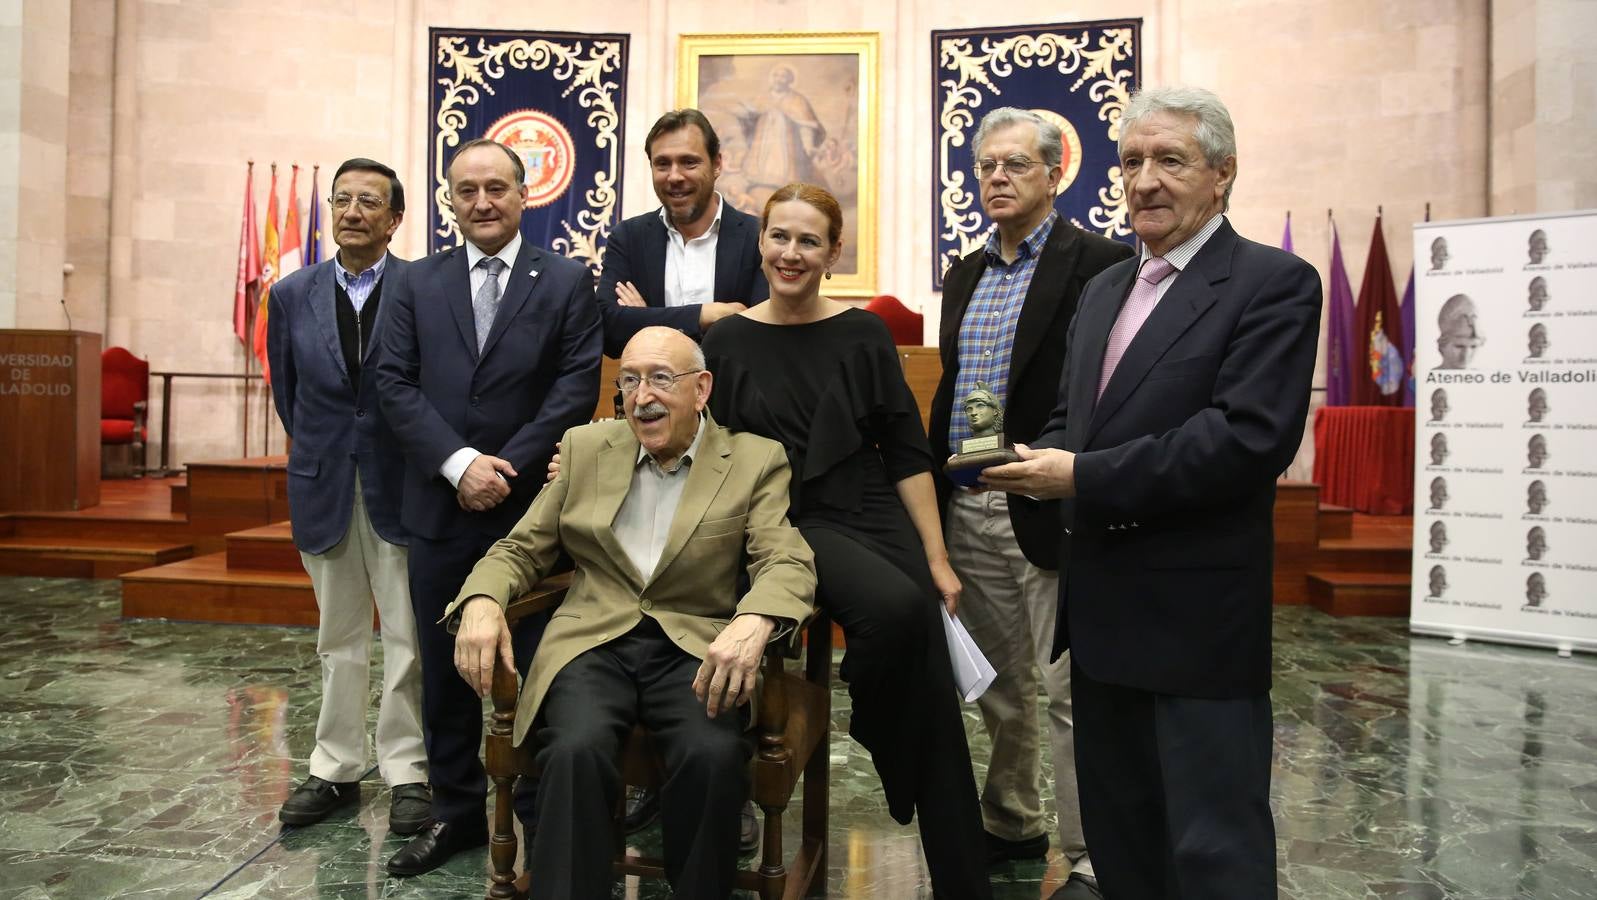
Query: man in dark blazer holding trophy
(1183, 398)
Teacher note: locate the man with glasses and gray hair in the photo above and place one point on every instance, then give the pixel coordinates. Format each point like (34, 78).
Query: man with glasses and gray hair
(345, 474)
(491, 353)
(661, 514)
(1184, 395)
(1006, 310)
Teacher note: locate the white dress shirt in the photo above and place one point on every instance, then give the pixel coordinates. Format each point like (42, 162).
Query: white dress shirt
(459, 461)
(644, 519)
(690, 265)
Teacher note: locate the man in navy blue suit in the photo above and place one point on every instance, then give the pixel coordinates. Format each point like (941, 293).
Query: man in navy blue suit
(345, 474)
(1186, 383)
(492, 352)
(690, 263)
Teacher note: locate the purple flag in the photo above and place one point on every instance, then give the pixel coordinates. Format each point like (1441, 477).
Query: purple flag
(312, 249)
(1286, 233)
(1408, 340)
(1378, 373)
(1339, 334)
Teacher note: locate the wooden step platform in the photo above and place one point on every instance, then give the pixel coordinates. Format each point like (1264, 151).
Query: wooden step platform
(269, 548)
(84, 557)
(1360, 593)
(206, 589)
(1335, 522)
(1374, 554)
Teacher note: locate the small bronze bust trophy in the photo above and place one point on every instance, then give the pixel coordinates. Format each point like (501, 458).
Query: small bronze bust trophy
(986, 445)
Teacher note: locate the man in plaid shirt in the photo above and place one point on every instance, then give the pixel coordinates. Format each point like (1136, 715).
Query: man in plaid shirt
(1006, 308)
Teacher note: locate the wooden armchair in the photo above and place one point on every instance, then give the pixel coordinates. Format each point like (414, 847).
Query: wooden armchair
(791, 734)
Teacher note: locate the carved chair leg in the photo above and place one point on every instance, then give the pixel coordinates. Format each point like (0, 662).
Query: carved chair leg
(773, 872)
(502, 843)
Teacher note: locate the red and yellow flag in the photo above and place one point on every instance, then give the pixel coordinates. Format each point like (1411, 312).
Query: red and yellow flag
(249, 262)
(269, 272)
(289, 259)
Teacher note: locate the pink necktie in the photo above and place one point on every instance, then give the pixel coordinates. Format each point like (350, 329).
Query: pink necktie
(1139, 305)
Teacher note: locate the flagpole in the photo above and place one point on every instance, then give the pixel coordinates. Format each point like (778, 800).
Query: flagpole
(249, 328)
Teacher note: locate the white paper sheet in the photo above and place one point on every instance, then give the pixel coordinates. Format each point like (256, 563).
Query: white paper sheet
(972, 672)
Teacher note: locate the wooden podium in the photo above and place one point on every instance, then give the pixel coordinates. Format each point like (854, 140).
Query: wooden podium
(49, 420)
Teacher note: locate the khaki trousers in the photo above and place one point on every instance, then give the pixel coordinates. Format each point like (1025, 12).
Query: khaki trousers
(360, 567)
(1009, 606)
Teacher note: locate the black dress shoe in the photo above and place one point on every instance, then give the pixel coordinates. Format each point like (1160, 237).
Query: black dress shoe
(748, 829)
(1078, 887)
(410, 807)
(312, 801)
(1001, 850)
(643, 807)
(433, 847)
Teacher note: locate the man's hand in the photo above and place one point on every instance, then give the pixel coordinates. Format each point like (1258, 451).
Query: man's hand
(627, 295)
(711, 313)
(1045, 474)
(482, 641)
(726, 677)
(554, 465)
(483, 485)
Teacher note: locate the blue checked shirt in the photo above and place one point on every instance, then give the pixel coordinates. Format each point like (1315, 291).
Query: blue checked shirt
(987, 333)
(359, 287)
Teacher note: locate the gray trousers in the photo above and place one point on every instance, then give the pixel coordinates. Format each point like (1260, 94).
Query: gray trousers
(1009, 606)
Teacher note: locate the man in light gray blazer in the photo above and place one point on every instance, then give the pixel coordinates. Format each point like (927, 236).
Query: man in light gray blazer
(345, 472)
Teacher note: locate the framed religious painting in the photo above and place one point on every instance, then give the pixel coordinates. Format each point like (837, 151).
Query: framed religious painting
(794, 107)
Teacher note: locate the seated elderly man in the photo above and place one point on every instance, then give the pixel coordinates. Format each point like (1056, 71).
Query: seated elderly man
(659, 513)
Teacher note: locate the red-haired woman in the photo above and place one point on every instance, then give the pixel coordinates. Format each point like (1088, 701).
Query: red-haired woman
(824, 379)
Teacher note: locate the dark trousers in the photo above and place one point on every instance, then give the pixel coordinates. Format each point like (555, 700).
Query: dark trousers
(590, 709)
(1175, 793)
(451, 712)
(905, 706)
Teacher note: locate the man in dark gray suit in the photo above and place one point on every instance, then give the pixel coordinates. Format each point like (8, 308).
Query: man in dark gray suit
(491, 353)
(1006, 309)
(1186, 383)
(690, 263)
(345, 473)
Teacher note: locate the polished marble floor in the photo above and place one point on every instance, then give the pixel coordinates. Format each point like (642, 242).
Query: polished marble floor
(147, 759)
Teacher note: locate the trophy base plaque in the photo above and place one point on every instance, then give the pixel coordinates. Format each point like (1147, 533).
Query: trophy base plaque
(978, 453)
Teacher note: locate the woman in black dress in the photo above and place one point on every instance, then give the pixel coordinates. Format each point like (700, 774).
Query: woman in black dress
(824, 379)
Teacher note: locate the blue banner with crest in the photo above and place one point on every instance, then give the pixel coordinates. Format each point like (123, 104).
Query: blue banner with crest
(558, 99)
(1078, 76)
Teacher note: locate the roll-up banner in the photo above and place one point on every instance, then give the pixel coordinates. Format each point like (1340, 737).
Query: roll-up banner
(1505, 486)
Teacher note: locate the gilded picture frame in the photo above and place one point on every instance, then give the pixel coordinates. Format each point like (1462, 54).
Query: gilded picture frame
(795, 107)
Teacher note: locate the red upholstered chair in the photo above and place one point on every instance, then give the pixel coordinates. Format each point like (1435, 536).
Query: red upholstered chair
(904, 323)
(124, 398)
